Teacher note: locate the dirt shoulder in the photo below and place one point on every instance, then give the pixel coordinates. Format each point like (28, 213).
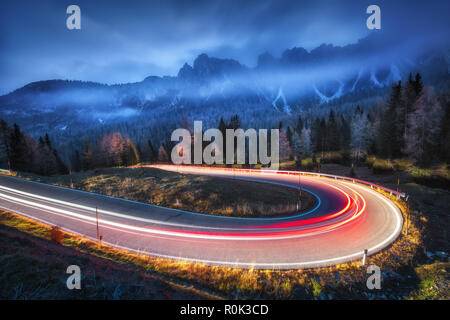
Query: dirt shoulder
(35, 268)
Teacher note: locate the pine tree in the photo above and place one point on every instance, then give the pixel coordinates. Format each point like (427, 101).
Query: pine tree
(389, 130)
(333, 141)
(300, 125)
(41, 157)
(88, 161)
(285, 150)
(423, 137)
(47, 141)
(319, 135)
(49, 157)
(162, 154)
(296, 147)
(418, 85)
(235, 122)
(132, 154)
(289, 135)
(373, 123)
(152, 155)
(305, 141)
(61, 167)
(344, 133)
(116, 149)
(77, 164)
(409, 100)
(360, 134)
(222, 128)
(444, 135)
(20, 156)
(301, 144)
(5, 134)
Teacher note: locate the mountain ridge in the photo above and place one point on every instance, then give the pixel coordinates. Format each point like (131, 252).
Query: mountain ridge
(297, 81)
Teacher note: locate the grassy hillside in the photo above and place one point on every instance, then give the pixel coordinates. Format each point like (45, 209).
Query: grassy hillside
(34, 267)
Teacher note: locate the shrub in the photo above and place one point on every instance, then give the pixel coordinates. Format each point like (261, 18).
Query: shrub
(307, 164)
(332, 157)
(382, 166)
(402, 164)
(56, 234)
(352, 171)
(287, 164)
(370, 160)
(437, 178)
(316, 288)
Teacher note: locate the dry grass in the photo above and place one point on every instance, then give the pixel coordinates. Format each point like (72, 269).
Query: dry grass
(342, 281)
(330, 157)
(34, 267)
(56, 234)
(212, 195)
(404, 273)
(382, 166)
(434, 282)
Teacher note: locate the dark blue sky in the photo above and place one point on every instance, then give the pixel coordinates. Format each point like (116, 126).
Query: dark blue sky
(125, 41)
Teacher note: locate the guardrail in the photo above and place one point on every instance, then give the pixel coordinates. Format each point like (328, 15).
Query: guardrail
(305, 173)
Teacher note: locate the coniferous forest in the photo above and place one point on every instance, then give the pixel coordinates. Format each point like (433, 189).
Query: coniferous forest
(412, 122)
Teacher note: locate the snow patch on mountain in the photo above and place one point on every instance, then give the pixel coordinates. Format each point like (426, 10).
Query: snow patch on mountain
(374, 79)
(285, 107)
(395, 74)
(360, 72)
(324, 98)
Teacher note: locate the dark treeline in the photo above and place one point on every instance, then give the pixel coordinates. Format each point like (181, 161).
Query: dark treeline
(413, 123)
(21, 152)
(110, 151)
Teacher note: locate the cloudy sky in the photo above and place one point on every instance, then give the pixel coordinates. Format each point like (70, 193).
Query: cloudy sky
(126, 41)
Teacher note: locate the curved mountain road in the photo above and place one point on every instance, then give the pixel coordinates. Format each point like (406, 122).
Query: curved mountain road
(347, 219)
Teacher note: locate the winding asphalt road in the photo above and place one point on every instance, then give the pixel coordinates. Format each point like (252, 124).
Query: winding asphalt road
(347, 219)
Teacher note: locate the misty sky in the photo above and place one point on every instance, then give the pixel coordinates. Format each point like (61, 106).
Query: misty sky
(126, 41)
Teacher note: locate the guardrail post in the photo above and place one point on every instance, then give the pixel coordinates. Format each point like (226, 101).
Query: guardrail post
(364, 257)
(407, 215)
(98, 231)
(71, 180)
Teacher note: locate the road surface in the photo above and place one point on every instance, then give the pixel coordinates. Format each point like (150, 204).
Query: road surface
(347, 219)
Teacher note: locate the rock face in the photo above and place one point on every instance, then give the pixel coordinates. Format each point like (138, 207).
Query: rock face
(207, 68)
